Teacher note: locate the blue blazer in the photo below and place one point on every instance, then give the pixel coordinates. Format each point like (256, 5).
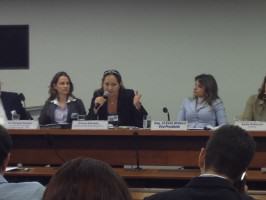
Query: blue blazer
(203, 114)
(11, 101)
(127, 113)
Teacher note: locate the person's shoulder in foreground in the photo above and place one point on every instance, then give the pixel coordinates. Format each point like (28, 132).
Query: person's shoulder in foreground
(203, 188)
(21, 191)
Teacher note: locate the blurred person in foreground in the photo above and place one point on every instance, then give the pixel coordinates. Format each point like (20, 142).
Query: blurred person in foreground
(223, 163)
(14, 191)
(86, 179)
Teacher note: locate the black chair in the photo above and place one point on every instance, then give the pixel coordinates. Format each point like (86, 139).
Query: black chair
(22, 99)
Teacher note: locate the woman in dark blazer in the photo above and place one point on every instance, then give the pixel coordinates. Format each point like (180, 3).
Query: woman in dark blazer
(62, 104)
(113, 102)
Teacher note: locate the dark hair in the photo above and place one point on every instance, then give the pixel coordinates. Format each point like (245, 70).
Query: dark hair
(210, 85)
(262, 89)
(52, 91)
(85, 178)
(229, 151)
(5, 144)
(116, 74)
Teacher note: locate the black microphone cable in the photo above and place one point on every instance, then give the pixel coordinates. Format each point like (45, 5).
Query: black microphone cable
(136, 145)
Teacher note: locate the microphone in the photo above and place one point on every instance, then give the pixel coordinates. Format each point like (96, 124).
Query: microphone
(165, 110)
(105, 96)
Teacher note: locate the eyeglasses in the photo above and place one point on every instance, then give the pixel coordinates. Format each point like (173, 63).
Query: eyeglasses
(111, 71)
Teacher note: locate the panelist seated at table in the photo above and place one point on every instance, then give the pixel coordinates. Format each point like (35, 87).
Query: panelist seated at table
(205, 108)
(61, 104)
(114, 101)
(255, 109)
(14, 191)
(10, 105)
(86, 179)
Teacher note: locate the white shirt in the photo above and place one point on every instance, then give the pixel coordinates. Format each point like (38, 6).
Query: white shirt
(60, 114)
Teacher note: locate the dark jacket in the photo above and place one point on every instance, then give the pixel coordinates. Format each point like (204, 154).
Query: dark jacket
(127, 113)
(11, 101)
(203, 188)
(47, 113)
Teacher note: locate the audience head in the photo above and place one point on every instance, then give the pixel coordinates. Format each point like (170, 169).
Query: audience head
(112, 82)
(5, 148)
(262, 90)
(61, 84)
(85, 178)
(228, 152)
(206, 87)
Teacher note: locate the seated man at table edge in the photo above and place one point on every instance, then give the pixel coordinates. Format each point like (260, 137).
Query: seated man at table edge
(10, 102)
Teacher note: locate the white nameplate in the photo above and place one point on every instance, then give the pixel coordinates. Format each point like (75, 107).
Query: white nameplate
(22, 124)
(169, 125)
(251, 125)
(90, 124)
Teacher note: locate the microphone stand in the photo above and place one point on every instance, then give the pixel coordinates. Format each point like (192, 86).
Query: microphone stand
(136, 142)
(165, 110)
(168, 116)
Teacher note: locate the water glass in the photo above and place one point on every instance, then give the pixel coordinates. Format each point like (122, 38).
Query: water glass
(146, 121)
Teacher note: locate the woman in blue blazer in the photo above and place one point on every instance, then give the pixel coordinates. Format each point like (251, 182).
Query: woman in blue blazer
(114, 103)
(61, 104)
(205, 108)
